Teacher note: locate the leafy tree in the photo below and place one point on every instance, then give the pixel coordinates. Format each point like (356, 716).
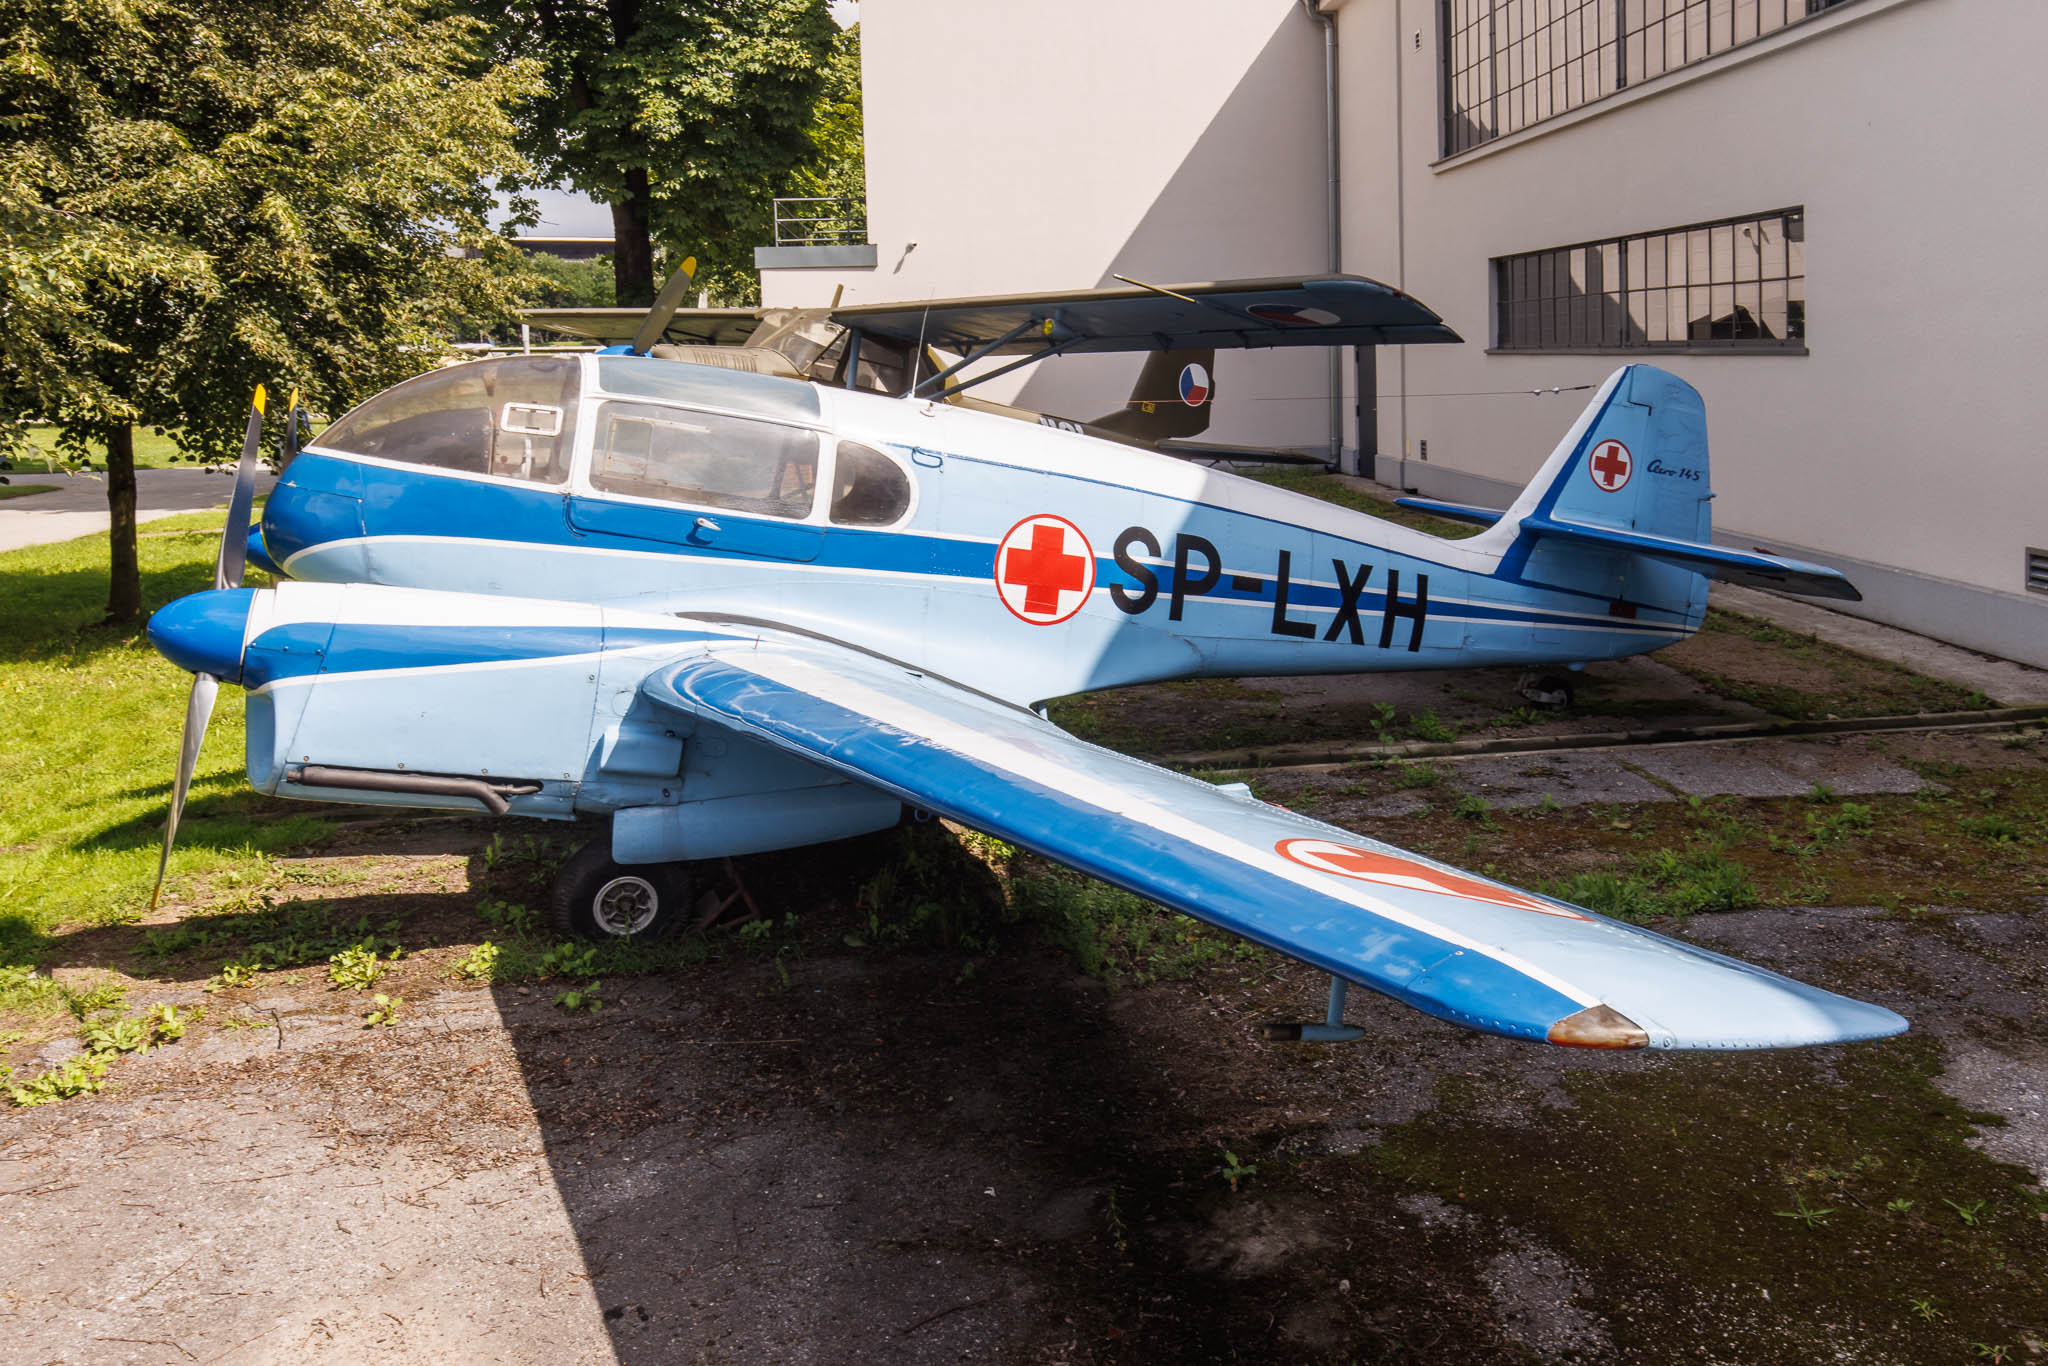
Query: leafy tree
(684, 115)
(837, 165)
(561, 283)
(200, 195)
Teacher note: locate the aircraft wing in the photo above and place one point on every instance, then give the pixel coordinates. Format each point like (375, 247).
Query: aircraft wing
(614, 326)
(1324, 310)
(1465, 948)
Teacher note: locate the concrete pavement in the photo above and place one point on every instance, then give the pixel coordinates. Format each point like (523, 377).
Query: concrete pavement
(77, 506)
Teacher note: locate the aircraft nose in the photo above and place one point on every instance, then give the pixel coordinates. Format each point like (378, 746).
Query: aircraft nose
(202, 633)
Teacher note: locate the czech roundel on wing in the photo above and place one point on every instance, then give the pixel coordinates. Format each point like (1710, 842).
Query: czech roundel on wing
(732, 611)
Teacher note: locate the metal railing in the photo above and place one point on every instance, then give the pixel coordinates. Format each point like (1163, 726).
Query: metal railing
(828, 221)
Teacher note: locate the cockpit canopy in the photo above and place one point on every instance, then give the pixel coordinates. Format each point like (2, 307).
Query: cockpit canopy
(658, 430)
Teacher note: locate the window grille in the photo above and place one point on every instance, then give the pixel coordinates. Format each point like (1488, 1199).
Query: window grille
(1735, 284)
(1508, 64)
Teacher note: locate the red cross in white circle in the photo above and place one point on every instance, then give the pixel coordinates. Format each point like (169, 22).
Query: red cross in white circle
(1611, 465)
(1044, 569)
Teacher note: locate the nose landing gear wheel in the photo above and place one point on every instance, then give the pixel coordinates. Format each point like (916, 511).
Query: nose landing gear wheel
(1553, 692)
(596, 898)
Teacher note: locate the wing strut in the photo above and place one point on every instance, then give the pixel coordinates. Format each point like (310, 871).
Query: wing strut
(976, 354)
(1331, 1030)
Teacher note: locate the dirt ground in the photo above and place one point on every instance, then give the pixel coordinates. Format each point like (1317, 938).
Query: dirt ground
(803, 1141)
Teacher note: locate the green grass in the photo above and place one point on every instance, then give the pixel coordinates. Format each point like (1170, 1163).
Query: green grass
(153, 451)
(23, 490)
(91, 741)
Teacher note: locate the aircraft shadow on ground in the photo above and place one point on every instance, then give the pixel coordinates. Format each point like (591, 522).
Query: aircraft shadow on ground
(821, 1153)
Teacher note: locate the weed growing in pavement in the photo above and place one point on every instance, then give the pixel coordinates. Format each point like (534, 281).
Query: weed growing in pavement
(383, 1011)
(1384, 727)
(507, 917)
(1820, 794)
(232, 974)
(1969, 1212)
(1621, 896)
(1417, 775)
(582, 998)
(23, 990)
(576, 960)
(532, 859)
(115, 1034)
(1472, 807)
(78, 1075)
(357, 967)
(1846, 821)
(1899, 1205)
(1427, 726)
(1804, 1213)
(85, 1002)
(1992, 829)
(480, 964)
(1234, 1171)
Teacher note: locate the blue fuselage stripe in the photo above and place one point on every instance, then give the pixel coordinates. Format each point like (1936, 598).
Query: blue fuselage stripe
(303, 514)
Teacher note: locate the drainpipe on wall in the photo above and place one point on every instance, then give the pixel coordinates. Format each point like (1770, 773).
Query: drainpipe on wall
(1333, 223)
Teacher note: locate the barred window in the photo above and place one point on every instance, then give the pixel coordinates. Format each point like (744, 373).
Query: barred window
(1737, 284)
(1508, 64)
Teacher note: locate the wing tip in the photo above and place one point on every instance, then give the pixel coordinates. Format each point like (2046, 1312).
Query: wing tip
(1598, 1026)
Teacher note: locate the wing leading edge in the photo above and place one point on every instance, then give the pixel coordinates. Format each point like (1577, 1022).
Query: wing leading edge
(1464, 948)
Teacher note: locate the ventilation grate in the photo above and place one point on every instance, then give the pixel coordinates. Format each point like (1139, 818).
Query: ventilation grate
(2037, 570)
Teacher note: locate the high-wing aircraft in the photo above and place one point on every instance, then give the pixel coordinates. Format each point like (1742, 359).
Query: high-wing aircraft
(925, 346)
(733, 613)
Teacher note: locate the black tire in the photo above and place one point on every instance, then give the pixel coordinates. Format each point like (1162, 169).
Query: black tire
(596, 898)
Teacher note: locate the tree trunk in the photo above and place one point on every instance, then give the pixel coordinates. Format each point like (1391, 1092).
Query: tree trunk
(124, 589)
(632, 250)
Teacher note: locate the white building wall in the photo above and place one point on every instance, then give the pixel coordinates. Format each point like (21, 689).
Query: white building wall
(1908, 130)
(1044, 144)
(1047, 144)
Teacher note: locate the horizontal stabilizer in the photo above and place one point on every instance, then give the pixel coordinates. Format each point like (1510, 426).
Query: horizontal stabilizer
(1750, 568)
(1456, 512)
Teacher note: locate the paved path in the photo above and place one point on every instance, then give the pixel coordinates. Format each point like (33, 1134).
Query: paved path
(78, 505)
(2003, 681)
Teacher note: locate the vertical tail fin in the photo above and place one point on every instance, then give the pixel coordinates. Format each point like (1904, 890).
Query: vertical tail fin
(1170, 400)
(1623, 507)
(1636, 460)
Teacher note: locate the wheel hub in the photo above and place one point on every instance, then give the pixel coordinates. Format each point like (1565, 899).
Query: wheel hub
(625, 906)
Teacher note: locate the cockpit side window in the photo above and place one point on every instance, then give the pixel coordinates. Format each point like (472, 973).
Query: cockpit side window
(647, 450)
(515, 418)
(868, 488)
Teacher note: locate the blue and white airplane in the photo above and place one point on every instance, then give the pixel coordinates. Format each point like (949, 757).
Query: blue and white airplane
(734, 613)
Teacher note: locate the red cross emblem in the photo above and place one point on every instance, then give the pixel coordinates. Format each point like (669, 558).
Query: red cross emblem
(1611, 465)
(1391, 870)
(1044, 569)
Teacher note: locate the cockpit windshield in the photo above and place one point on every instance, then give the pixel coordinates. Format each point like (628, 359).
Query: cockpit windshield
(515, 418)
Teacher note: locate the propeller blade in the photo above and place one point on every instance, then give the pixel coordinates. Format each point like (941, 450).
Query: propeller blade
(672, 295)
(288, 442)
(198, 710)
(234, 542)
